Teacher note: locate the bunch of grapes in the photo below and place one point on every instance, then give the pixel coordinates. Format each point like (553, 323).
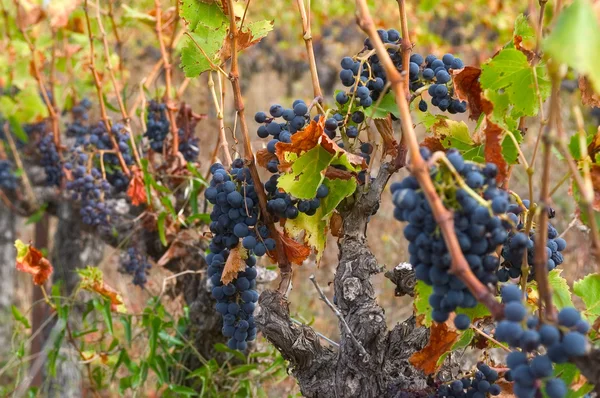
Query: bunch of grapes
(478, 228)
(50, 160)
(136, 264)
(367, 78)
(88, 187)
(528, 368)
(8, 180)
(157, 125)
(282, 204)
(480, 384)
(79, 126)
(518, 242)
(188, 146)
(234, 218)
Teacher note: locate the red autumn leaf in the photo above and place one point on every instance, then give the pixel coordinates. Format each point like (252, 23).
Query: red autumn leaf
(235, 263)
(295, 252)
(493, 150)
(518, 41)
(136, 190)
(595, 174)
(332, 147)
(468, 88)
(433, 144)
(440, 340)
(31, 261)
(244, 39)
(594, 146)
(302, 141)
(336, 225)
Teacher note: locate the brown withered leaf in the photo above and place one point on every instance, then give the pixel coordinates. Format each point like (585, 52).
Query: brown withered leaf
(235, 263)
(468, 88)
(332, 147)
(28, 14)
(302, 141)
(595, 174)
(245, 39)
(493, 149)
(440, 341)
(588, 96)
(295, 252)
(30, 260)
(433, 144)
(91, 279)
(59, 11)
(136, 190)
(385, 129)
(185, 239)
(334, 173)
(336, 225)
(594, 146)
(263, 156)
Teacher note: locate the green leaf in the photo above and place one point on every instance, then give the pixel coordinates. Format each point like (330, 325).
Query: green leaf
(561, 296)
(588, 289)
(453, 134)
(575, 41)
(193, 61)
(386, 106)
(465, 339)
(37, 216)
(147, 181)
(422, 307)
(166, 337)
(510, 152)
(126, 321)
(575, 147)
(314, 227)
(17, 129)
(209, 14)
(153, 337)
(477, 312)
(104, 307)
(223, 348)
(30, 106)
(242, 369)
(131, 14)
(475, 154)
(19, 317)
(259, 29)
(306, 174)
(162, 217)
(583, 391)
(523, 28)
(183, 390)
(510, 71)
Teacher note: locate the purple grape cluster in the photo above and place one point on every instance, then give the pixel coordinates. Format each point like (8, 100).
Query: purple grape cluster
(8, 179)
(480, 385)
(526, 334)
(50, 160)
(367, 83)
(188, 146)
(234, 219)
(88, 187)
(518, 242)
(79, 126)
(157, 125)
(136, 264)
(478, 229)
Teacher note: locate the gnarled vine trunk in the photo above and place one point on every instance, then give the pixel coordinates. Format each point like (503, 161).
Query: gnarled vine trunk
(7, 275)
(323, 372)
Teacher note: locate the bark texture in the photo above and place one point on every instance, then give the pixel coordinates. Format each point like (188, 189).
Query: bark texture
(322, 372)
(7, 275)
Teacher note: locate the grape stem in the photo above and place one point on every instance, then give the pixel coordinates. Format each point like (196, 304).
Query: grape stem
(168, 76)
(234, 76)
(490, 338)
(26, 182)
(406, 45)
(219, 109)
(307, 36)
(111, 74)
(98, 84)
(338, 314)
(420, 169)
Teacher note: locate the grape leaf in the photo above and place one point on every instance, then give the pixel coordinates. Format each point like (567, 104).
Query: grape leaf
(510, 71)
(385, 107)
(577, 30)
(477, 312)
(315, 227)
(561, 296)
(453, 134)
(306, 173)
(193, 61)
(196, 12)
(441, 340)
(524, 29)
(475, 154)
(30, 260)
(510, 151)
(421, 303)
(465, 339)
(588, 289)
(248, 36)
